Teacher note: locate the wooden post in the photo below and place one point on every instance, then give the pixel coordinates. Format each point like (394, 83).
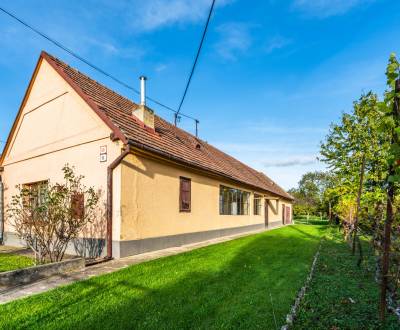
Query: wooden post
(362, 170)
(389, 215)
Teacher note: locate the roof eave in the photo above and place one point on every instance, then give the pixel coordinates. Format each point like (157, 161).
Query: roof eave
(181, 161)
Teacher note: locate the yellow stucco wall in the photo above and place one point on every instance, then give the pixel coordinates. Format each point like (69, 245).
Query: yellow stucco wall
(57, 127)
(150, 202)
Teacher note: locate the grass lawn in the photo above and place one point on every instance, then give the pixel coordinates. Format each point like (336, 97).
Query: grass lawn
(9, 261)
(315, 221)
(228, 285)
(312, 220)
(341, 295)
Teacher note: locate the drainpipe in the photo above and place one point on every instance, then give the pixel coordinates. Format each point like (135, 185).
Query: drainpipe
(110, 170)
(1, 211)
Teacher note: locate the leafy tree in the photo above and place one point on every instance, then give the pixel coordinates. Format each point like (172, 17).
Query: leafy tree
(310, 196)
(363, 152)
(390, 110)
(352, 148)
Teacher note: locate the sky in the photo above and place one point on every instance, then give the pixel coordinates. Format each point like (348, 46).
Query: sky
(271, 77)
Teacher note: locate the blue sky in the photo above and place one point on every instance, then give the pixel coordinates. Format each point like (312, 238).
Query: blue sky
(272, 76)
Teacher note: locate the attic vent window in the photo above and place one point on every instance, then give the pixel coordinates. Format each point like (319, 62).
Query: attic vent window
(198, 146)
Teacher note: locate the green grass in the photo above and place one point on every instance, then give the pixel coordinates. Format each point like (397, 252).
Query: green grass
(227, 285)
(311, 221)
(9, 261)
(336, 282)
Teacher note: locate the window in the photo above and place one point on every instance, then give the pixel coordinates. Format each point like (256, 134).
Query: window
(257, 204)
(35, 193)
(185, 195)
(233, 201)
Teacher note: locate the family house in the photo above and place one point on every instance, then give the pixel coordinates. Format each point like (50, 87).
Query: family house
(162, 186)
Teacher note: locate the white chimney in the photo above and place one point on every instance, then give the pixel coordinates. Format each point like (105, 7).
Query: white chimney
(142, 90)
(142, 112)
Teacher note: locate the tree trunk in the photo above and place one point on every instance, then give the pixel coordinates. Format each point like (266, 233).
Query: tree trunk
(360, 186)
(386, 247)
(389, 214)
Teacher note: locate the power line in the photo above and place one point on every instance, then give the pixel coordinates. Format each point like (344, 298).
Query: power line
(195, 60)
(80, 58)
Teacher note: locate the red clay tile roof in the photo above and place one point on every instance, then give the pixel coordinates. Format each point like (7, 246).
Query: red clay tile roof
(167, 140)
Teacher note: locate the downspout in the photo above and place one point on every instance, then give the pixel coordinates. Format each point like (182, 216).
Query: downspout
(110, 170)
(1, 209)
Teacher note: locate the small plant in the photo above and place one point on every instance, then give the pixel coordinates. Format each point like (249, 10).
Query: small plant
(49, 216)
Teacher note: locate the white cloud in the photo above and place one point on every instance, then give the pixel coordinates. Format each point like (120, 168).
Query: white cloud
(110, 48)
(291, 161)
(263, 127)
(326, 8)
(107, 47)
(160, 67)
(153, 14)
(279, 162)
(235, 39)
(277, 42)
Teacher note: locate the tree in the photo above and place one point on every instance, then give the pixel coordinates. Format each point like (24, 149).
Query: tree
(351, 149)
(49, 216)
(363, 151)
(390, 108)
(309, 195)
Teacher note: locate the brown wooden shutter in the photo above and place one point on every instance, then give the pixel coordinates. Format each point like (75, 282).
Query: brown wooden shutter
(283, 213)
(78, 206)
(185, 195)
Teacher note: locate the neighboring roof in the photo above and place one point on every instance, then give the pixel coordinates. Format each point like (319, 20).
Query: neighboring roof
(166, 140)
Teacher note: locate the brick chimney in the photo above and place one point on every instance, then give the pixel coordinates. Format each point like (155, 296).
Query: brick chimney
(143, 113)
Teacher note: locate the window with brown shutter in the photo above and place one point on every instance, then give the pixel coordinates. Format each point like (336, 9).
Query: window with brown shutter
(185, 194)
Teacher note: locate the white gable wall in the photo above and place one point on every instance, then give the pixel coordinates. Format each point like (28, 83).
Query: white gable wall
(56, 127)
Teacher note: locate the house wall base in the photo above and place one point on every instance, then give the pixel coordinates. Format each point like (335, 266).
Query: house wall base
(132, 247)
(275, 224)
(93, 247)
(84, 247)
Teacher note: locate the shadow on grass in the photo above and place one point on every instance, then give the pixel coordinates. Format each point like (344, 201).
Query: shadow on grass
(228, 285)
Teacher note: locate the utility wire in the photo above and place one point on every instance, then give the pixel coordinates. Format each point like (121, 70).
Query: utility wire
(80, 58)
(195, 61)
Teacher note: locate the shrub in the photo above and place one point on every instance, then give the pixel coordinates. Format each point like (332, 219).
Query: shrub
(49, 216)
